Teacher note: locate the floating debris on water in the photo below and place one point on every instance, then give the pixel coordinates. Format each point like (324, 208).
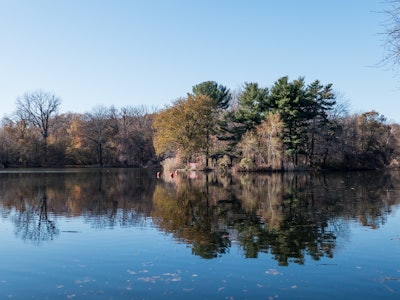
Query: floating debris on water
(273, 272)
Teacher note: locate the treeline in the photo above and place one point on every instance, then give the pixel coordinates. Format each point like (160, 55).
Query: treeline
(39, 137)
(291, 125)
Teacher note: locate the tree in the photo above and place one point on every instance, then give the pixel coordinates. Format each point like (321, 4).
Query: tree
(9, 142)
(365, 141)
(221, 100)
(62, 140)
(97, 128)
(294, 104)
(253, 103)
(20, 143)
(37, 108)
(219, 93)
(320, 129)
(373, 137)
(183, 128)
(269, 132)
(134, 139)
(167, 130)
(392, 34)
(261, 147)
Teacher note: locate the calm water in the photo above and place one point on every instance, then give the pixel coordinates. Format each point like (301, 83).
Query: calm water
(123, 234)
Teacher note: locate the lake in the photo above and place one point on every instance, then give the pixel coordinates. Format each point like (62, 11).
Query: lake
(125, 234)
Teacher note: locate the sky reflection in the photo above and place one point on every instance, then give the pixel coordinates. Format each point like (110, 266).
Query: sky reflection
(282, 238)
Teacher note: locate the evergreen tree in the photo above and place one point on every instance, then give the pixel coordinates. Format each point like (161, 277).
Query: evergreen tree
(221, 99)
(253, 103)
(321, 129)
(294, 104)
(217, 92)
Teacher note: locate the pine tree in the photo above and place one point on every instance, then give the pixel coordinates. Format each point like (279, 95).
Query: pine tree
(294, 104)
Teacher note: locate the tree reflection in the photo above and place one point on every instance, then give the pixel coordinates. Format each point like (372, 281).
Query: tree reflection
(290, 217)
(103, 198)
(32, 222)
(186, 213)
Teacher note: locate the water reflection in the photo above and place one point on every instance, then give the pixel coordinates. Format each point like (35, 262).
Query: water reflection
(291, 216)
(103, 198)
(32, 221)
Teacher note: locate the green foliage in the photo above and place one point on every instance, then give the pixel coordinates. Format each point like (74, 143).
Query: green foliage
(290, 125)
(218, 93)
(253, 103)
(294, 104)
(321, 129)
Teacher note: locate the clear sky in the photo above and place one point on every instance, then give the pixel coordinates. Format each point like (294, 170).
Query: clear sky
(148, 52)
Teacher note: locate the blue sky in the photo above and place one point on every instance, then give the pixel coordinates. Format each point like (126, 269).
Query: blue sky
(152, 52)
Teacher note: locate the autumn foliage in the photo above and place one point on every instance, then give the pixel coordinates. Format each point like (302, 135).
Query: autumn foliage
(291, 125)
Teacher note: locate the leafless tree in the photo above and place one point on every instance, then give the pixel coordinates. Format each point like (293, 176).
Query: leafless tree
(98, 127)
(392, 34)
(37, 108)
(134, 138)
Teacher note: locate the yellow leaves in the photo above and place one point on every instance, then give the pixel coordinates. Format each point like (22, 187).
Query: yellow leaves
(264, 144)
(165, 129)
(183, 127)
(272, 126)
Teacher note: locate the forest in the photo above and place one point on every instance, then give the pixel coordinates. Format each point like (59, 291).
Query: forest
(291, 125)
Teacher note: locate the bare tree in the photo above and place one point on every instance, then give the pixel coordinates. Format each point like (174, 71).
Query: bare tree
(392, 34)
(36, 108)
(97, 128)
(134, 139)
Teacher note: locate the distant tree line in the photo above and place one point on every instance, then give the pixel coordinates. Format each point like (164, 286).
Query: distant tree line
(36, 136)
(292, 125)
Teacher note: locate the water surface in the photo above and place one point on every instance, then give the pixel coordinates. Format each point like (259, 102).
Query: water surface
(124, 234)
